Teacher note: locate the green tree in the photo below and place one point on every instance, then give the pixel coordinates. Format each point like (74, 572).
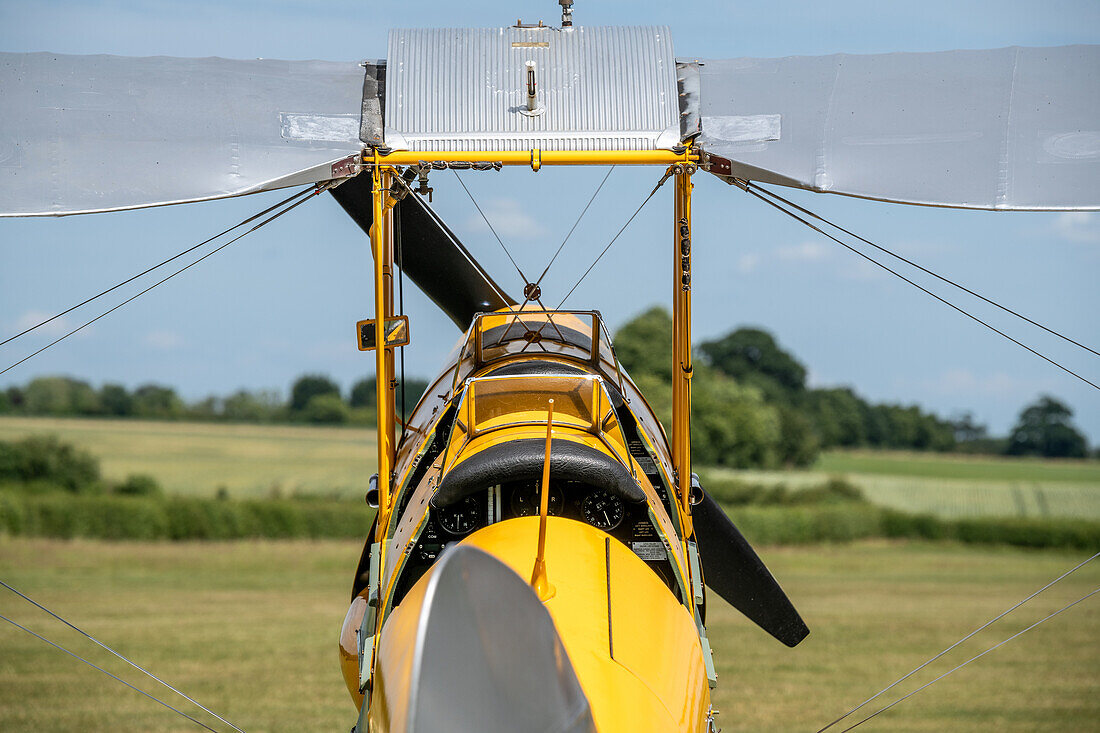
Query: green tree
(156, 401)
(837, 415)
(60, 396)
(44, 458)
(15, 397)
(207, 409)
(644, 344)
(326, 409)
(115, 400)
(1045, 429)
(363, 393)
(798, 443)
(750, 352)
(245, 406)
(731, 425)
(306, 387)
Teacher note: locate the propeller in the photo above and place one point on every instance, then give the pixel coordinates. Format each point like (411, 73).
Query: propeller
(735, 572)
(429, 253)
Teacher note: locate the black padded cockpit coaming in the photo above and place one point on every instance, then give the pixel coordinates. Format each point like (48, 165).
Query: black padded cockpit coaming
(535, 366)
(522, 460)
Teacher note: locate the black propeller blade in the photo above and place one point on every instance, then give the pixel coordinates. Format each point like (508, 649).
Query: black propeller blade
(429, 253)
(734, 571)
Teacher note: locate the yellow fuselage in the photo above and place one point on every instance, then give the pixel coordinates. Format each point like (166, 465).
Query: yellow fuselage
(626, 594)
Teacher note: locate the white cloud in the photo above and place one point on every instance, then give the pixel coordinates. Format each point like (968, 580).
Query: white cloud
(509, 218)
(747, 263)
(957, 382)
(804, 252)
(34, 317)
(164, 340)
(1078, 226)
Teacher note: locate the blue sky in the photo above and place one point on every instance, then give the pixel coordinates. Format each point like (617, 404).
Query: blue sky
(284, 301)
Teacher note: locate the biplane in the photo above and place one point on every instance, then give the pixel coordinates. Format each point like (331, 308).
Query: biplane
(542, 553)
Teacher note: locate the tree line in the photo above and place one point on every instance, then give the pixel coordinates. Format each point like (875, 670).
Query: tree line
(751, 406)
(313, 398)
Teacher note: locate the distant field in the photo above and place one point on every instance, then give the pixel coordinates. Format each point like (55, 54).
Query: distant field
(249, 629)
(257, 460)
(953, 466)
(198, 458)
(955, 486)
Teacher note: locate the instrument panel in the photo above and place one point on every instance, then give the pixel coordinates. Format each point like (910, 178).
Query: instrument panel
(628, 523)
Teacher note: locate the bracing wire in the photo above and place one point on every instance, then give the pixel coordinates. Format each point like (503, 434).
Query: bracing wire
(527, 298)
(514, 264)
(986, 625)
(615, 238)
(923, 289)
(923, 269)
(574, 227)
(318, 189)
(973, 658)
(622, 229)
(489, 224)
(118, 679)
(156, 266)
(136, 666)
(488, 281)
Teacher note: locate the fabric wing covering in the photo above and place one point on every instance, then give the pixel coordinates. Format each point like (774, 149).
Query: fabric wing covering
(1011, 128)
(80, 134)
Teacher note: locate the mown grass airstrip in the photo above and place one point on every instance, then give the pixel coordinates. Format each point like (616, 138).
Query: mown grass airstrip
(249, 629)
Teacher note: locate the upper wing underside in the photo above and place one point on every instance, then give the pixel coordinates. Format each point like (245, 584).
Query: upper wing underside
(1011, 128)
(81, 134)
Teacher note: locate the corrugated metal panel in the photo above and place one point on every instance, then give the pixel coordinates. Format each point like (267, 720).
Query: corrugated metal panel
(610, 88)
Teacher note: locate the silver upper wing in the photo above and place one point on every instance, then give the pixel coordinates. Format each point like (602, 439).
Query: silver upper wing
(1012, 128)
(81, 134)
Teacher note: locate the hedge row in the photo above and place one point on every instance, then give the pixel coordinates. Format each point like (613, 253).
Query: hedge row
(776, 525)
(175, 518)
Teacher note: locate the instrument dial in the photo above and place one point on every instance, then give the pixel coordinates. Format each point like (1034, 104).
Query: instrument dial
(525, 501)
(462, 517)
(603, 510)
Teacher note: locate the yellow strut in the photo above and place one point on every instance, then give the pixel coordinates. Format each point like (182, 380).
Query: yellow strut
(539, 582)
(380, 248)
(682, 367)
(537, 158)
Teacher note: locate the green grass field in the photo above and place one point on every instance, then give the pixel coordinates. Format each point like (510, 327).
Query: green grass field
(249, 629)
(198, 458)
(256, 460)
